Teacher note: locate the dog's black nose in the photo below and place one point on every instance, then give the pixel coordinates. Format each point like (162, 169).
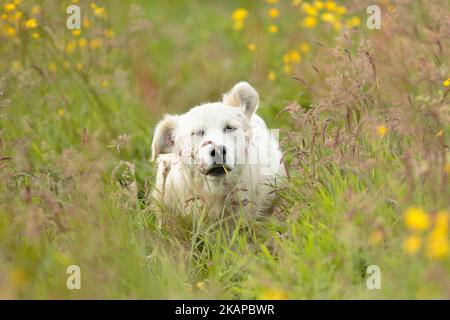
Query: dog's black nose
(219, 153)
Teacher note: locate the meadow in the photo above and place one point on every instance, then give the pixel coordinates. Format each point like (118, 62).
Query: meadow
(364, 124)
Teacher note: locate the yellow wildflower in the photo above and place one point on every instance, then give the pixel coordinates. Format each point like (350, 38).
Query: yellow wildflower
(292, 56)
(70, 47)
(273, 28)
(341, 10)
(82, 42)
(446, 82)
(17, 16)
(412, 244)
(9, 7)
(273, 12)
(331, 6)
(319, 5)
(309, 22)
(100, 12)
(251, 47)
(86, 22)
(381, 131)
(438, 245)
(354, 22)
(76, 32)
(31, 23)
(96, 43)
(239, 14)
(337, 25)
(52, 67)
(271, 1)
(35, 10)
(327, 17)
(10, 31)
(274, 294)
(109, 33)
(271, 76)
(35, 35)
(304, 47)
(416, 219)
(309, 9)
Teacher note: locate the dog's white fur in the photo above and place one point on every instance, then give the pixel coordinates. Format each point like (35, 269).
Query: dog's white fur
(193, 135)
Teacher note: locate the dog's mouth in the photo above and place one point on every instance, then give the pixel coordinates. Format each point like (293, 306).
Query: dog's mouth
(218, 171)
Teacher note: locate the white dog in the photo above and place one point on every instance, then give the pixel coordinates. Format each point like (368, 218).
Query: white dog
(219, 153)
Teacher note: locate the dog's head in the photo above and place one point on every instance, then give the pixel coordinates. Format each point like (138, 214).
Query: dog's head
(212, 138)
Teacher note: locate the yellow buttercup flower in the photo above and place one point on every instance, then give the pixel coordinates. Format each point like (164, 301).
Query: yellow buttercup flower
(309, 9)
(100, 12)
(109, 33)
(10, 31)
(319, 5)
(274, 294)
(273, 28)
(70, 47)
(292, 56)
(304, 47)
(446, 82)
(438, 245)
(86, 22)
(416, 219)
(331, 6)
(271, 76)
(251, 47)
(341, 10)
(327, 17)
(412, 244)
(96, 43)
(52, 67)
(309, 22)
(35, 10)
(354, 22)
(9, 7)
(82, 42)
(381, 131)
(239, 14)
(31, 23)
(76, 32)
(273, 12)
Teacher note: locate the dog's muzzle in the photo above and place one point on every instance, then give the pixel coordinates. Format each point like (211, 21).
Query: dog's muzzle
(218, 170)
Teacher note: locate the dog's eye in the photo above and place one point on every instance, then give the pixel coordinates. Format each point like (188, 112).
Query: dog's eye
(229, 128)
(200, 132)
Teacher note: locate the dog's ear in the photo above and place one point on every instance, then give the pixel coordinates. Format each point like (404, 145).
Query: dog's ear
(242, 95)
(163, 140)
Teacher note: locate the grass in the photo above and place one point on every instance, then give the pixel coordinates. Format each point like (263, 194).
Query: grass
(364, 120)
